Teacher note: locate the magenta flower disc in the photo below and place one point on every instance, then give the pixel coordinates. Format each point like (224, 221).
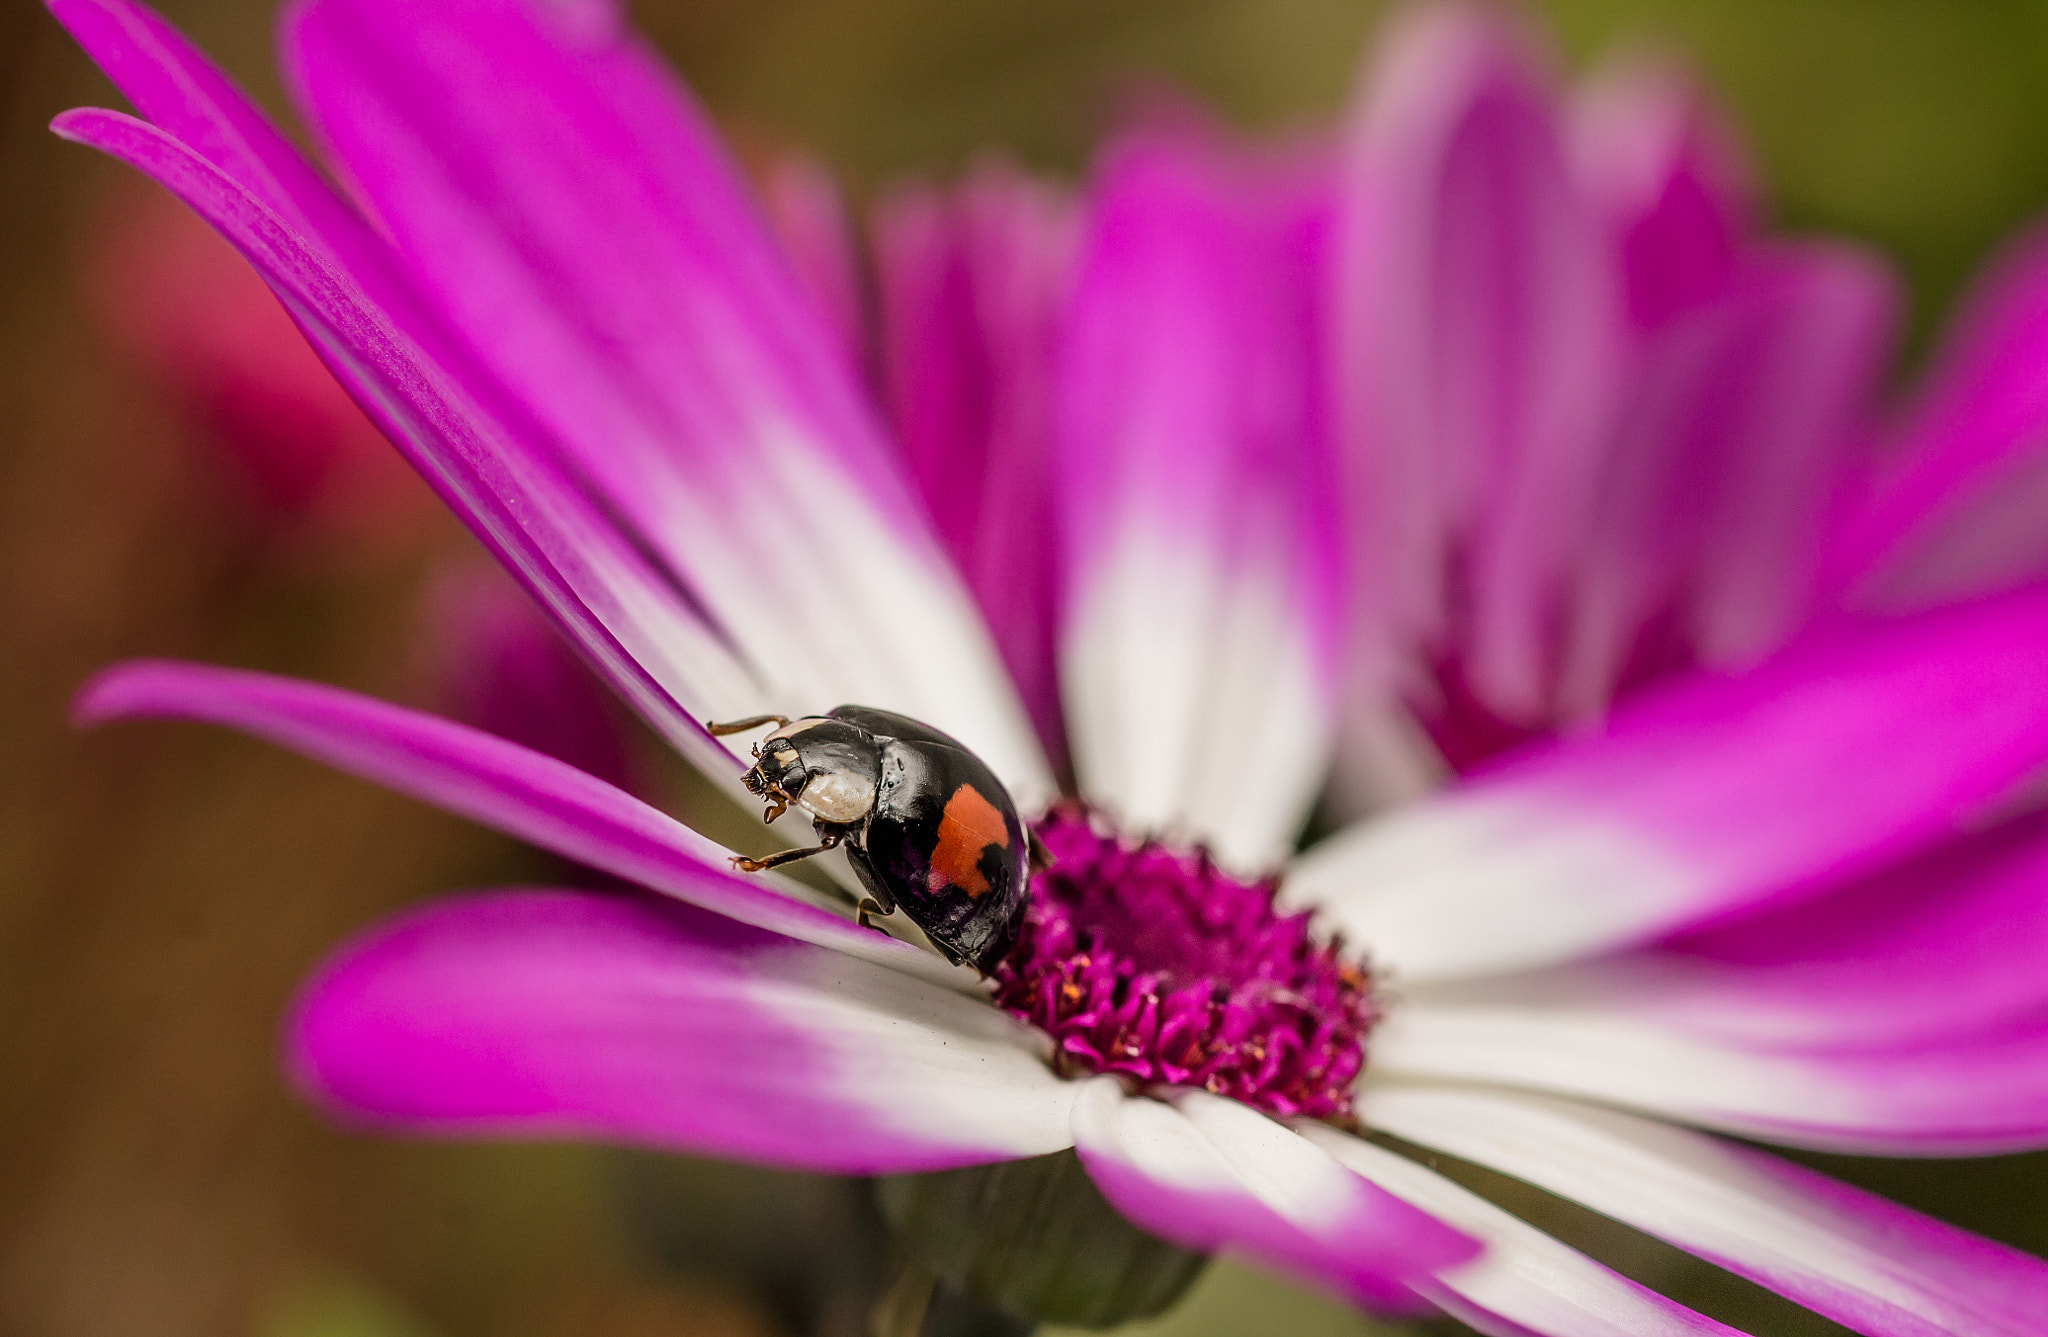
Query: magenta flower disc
(1156, 964)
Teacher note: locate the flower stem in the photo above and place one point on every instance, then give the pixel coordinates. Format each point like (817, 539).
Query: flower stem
(1033, 1239)
(918, 1304)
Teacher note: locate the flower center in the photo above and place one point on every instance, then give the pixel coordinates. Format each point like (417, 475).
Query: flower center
(1150, 962)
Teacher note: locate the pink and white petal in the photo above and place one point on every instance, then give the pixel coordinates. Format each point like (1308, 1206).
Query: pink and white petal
(1988, 539)
(1729, 450)
(1755, 362)
(973, 284)
(1977, 1093)
(1200, 608)
(1953, 515)
(1210, 1174)
(1947, 944)
(1944, 944)
(339, 281)
(1478, 348)
(1822, 360)
(577, 1014)
(1524, 1283)
(567, 209)
(489, 780)
(1868, 1264)
(808, 212)
(1712, 796)
(1664, 172)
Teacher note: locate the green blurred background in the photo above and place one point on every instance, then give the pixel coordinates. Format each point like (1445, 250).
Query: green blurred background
(162, 887)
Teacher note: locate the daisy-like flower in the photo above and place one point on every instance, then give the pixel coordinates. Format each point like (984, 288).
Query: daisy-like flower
(1495, 407)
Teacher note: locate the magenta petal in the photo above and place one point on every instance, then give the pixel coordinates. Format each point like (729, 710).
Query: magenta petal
(486, 779)
(2002, 1289)
(973, 286)
(1666, 176)
(566, 1014)
(567, 209)
(809, 215)
(636, 626)
(1478, 348)
(1947, 944)
(1958, 512)
(570, 207)
(177, 88)
(1211, 1174)
(1868, 1264)
(1713, 796)
(1819, 356)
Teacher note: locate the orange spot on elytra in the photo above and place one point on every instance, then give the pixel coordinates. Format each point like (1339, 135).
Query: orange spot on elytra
(968, 825)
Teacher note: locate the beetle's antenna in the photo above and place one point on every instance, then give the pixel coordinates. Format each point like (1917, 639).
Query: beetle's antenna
(717, 730)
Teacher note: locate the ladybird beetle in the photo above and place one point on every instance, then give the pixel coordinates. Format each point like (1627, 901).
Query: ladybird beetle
(924, 822)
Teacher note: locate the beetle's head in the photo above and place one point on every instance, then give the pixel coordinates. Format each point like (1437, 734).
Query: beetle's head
(829, 768)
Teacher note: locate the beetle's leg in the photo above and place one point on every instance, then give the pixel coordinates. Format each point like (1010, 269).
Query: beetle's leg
(878, 901)
(776, 807)
(746, 865)
(717, 730)
(1041, 857)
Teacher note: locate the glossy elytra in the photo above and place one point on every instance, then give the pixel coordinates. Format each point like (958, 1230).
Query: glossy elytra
(924, 822)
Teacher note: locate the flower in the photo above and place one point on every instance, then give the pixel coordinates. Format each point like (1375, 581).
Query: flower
(493, 662)
(282, 434)
(1500, 412)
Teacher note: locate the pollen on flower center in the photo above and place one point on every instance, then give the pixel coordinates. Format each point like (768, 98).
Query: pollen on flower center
(1150, 962)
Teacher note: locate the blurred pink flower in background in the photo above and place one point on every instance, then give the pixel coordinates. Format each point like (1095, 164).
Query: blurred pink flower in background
(490, 659)
(1601, 420)
(291, 444)
(1495, 412)
(1950, 505)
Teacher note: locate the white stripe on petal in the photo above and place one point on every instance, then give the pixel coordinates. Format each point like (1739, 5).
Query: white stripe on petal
(1194, 700)
(1525, 1282)
(1964, 1095)
(1471, 883)
(1209, 1174)
(961, 1071)
(1286, 1173)
(1871, 1265)
(1130, 674)
(1266, 726)
(1606, 1057)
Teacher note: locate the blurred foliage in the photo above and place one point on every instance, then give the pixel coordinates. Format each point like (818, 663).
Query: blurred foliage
(162, 887)
(1233, 1300)
(336, 1305)
(1919, 125)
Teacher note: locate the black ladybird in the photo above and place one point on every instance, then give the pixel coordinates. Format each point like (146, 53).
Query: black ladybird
(924, 822)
